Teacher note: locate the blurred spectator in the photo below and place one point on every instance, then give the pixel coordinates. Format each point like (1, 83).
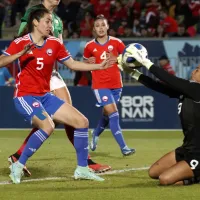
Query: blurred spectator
(160, 33)
(133, 7)
(136, 28)
(67, 11)
(5, 77)
(184, 13)
(102, 7)
(170, 25)
(170, 6)
(65, 33)
(2, 14)
(181, 31)
(82, 78)
(165, 64)
(121, 29)
(112, 32)
(152, 9)
(128, 32)
(86, 26)
(119, 13)
(75, 35)
(85, 7)
(18, 6)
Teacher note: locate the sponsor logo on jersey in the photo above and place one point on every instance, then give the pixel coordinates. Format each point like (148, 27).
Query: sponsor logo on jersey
(105, 98)
(36, 104)
(49, 52)
(110, 48)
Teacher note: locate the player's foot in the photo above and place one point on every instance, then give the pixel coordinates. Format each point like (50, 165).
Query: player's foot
(93, 143)
(16, 172)
(98, 168)
(12, 159)
(86, 173)
(126, 151)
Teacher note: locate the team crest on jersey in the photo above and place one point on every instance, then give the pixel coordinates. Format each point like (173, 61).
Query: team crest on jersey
(110, 48)
(36, 104)
(105, 98)
(49, 52)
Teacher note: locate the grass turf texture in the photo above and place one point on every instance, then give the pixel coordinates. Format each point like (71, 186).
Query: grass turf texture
(56, 158)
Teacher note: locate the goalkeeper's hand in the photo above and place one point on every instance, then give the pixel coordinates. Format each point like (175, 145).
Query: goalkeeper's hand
(122, 66)
(137, 54)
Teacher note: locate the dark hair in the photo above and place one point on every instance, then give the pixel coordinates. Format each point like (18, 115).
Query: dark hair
(100, 17)
(35, 14)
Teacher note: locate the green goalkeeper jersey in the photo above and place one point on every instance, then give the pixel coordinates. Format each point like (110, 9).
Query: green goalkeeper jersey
(57, 22)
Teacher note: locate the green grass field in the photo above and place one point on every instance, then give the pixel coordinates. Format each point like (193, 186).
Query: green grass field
(56, 158)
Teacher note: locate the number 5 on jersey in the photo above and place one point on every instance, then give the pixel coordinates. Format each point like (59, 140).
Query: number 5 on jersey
(40, 63)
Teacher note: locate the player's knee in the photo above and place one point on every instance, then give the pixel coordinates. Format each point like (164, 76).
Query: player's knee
(82, 123)
(49, 128)
(165, 180)
(153, 173)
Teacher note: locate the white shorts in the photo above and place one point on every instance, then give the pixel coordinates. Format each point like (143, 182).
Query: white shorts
(56, 81)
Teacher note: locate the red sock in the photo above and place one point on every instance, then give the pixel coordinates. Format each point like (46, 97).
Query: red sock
(19, 152)
(69, 130)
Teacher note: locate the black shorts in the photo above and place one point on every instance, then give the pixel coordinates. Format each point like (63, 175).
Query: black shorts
(193, 160)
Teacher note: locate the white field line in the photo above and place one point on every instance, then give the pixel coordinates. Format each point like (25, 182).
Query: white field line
(64, 178)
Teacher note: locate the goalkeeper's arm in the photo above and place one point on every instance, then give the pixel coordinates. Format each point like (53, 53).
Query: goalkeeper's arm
(184, 87)
(154, 85)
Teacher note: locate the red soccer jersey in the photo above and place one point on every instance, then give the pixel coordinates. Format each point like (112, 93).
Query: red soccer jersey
(36, 66)
(109, 78)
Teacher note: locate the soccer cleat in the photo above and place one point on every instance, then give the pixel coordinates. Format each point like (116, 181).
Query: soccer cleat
(98, 168)
(127, 151)
(16, 170)
(93, 143)
(12, 159)
(86, 174)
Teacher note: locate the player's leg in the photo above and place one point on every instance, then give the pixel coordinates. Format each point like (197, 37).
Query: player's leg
(108, 99)
(59, 88)
(164, 163)
(179, 172)
(14, 157)
(34, 112)
(80, 123)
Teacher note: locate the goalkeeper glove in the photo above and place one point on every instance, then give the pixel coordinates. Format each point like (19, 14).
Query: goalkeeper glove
(137, 54)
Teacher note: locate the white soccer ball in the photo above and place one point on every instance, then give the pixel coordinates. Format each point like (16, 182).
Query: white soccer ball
(131, 61)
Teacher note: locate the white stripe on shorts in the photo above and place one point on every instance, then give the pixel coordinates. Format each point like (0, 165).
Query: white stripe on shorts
(24, 104)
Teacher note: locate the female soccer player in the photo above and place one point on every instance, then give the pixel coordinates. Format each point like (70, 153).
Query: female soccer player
(107, 84)
(37, 53)
(57, 85)
(180, 166)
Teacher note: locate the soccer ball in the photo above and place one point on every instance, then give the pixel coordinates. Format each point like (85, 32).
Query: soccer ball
(130, 61)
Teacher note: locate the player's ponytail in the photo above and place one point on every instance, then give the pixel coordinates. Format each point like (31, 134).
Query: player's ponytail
(35, 14)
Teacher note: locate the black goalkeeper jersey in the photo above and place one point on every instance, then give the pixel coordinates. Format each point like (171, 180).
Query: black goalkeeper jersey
(188, 93)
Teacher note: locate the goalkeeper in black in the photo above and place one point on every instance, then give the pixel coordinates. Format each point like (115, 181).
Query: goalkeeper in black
(182, 165)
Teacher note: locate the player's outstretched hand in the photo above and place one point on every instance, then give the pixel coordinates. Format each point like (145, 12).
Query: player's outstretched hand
(108, 62)
(137, 54)
(27, 48)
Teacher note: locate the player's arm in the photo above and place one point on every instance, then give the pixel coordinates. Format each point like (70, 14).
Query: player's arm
(154, 85)
(82, 66)
(7, 58)
(190, 89)
(182, 86)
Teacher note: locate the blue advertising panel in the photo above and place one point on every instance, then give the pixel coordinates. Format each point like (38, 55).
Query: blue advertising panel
(139, 108)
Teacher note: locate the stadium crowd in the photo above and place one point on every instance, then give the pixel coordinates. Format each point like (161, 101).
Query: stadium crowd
(127, 18)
